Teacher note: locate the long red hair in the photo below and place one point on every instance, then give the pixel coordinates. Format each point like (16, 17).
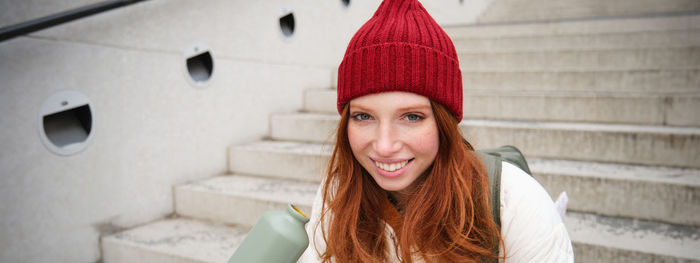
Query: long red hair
(447, 219)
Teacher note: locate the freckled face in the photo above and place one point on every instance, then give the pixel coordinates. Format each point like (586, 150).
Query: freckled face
(394, 136)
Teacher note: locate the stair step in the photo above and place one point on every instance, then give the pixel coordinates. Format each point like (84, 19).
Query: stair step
(644, 109)
(174, 240)
(635, 144)
(670, 194)
(595, 239)
(609, 239)
(240, 199)
(572, 60)
(600, 41)
(290, 160)
(565, 28)
(650, 81)
(660, 194)
(520, 10)
(304, 127)
(594, 107)
(320, 101)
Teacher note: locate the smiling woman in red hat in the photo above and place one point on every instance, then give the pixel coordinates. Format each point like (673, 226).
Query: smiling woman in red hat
(402, 184)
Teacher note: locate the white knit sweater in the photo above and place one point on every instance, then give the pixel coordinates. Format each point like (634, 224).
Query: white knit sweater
(532, 229)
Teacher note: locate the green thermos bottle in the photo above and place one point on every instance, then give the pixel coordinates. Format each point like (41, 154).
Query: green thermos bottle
(278, 237)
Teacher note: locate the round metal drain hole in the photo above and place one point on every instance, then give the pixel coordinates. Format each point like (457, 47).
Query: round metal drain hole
(287, 23)
(66, 122)
(199, 62)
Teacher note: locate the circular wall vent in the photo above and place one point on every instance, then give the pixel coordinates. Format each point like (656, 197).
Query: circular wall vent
(66, 122)
(287, 22)
(199, 63)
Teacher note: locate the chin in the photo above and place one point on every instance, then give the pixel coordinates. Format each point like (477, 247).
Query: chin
(391, 186)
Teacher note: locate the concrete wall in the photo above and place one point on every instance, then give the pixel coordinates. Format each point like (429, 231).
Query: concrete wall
(152, 129)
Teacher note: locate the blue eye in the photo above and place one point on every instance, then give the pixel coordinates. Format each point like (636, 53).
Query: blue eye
(413, 117)
(361, 116)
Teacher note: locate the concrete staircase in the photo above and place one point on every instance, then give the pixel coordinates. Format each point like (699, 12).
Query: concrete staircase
(607, 110)
(536, 10)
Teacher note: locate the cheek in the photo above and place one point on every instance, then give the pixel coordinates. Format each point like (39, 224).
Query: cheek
(356, 139)
(428, 143)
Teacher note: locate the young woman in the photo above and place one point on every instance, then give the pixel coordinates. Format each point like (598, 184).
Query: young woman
(402, 184)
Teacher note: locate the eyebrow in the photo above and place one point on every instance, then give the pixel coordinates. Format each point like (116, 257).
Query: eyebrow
(415, 107)
(407, 108)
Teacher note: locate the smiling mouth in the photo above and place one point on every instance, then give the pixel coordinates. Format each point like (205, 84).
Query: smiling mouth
(390, 167)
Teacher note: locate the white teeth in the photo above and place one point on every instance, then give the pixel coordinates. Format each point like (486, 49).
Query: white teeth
(391, 167)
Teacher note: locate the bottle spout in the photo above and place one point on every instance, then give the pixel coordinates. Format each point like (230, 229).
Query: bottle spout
(297, 213)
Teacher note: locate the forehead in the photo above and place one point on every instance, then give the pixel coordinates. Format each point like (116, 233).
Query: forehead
(390, 100)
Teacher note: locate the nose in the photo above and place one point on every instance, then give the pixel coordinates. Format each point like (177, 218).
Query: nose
(386, 142)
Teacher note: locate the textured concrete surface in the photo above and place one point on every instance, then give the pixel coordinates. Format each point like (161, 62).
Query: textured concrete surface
(621, 108)
(572, 60)
(650, 81)
(293, 160)
(239, 199)
(660, 194)
(309, 127)
(244, 30)
(684, 110)
(633, 144)
(521, 10)
(570, 107)
(580, 41)
(609, 239)
(178, 240)
(576, 27)
(320, 100)
(152, 130)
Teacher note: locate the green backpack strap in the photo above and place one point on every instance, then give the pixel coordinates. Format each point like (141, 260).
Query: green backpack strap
(510, 154)
(492, 164)
(492, 159)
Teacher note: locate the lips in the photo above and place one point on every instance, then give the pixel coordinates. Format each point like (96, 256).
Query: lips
(392, 168)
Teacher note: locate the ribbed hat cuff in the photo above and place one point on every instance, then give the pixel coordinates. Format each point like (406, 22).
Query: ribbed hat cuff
(401, 67)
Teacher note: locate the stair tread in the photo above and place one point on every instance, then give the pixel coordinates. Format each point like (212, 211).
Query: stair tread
(590, 70)
(636, 235)
(183, 239)
(286, 147)
(262, 188)
(201, 241)
(591, 26)
(579, 126)
(600, 41)
(575, 50)
(577, 60)
(679, 176)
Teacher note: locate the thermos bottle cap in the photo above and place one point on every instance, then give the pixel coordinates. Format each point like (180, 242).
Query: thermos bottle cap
(297, 213)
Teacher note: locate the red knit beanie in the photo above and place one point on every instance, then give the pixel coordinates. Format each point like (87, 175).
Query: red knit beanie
(401, 48)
